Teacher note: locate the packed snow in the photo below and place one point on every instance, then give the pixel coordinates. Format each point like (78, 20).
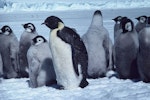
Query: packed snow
(78, 15)
(98, 89)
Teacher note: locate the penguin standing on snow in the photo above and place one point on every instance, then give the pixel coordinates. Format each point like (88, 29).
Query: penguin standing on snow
(99, 47)
(69, 54)
(9, 47)
(25, 43)
(117, 32)
(144, 53)
(41, 70)
(117, 26)
(141, 23)
(126, 50)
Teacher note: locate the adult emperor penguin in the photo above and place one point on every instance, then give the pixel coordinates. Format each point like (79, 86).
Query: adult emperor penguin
(144, 54)
(126, 50)
(9, 47)
(99, 47)
(69, 54)
(141, 23)
(41, 69)
(117, 26)
(25, 43)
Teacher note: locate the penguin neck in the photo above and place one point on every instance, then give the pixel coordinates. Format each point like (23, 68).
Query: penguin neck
(97, 21)
(60, 25)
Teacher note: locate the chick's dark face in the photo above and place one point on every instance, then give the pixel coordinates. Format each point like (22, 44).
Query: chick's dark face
(38, 40)
(29, 27)
(6, 30)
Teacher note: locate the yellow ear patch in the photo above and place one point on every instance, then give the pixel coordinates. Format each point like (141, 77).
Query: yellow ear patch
(60, 25)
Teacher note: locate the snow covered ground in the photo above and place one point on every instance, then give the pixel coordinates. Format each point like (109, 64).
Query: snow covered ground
(76, 14)
(98, 89)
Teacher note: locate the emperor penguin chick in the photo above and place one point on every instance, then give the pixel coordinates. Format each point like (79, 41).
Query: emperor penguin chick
(117, 26)
(144, 54)
(41, 69)
(25, 43)
(9, 47)
(99, 47)
(126, 50)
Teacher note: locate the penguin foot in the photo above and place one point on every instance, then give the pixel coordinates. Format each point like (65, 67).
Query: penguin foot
(83, 83)
(23, 74)
(50, 83)
(56, 86)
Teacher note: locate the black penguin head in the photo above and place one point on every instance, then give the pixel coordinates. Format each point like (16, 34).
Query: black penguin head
(148, 20)
(98, 12)
(29, 27)
(117, 19)
(142, 19)
(38, 40)
(126, 25)
(6, 30)
(97, 18)
(52, 22)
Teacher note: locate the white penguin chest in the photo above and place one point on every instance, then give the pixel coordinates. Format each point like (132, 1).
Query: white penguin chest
(63, 64)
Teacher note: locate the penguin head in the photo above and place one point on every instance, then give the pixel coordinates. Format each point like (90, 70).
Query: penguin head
(142, 19)
(6, 30)
(97, 12)
(38, 40)
(29, 27)
(97, 18)
(52, 22)
(117, 19)
(148, 20)
(127, 25)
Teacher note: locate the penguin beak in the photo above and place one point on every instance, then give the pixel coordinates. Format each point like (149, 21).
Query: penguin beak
(22, 25)
(43, 23)
(136, 18)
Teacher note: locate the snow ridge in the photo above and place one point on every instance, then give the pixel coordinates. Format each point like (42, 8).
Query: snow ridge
(45, 5)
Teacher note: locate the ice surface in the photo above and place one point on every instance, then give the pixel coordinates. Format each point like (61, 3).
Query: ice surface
(98, 89)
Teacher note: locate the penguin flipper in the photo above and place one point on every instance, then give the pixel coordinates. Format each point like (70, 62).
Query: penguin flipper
(73, 39)
(107, 44)
(14, 47)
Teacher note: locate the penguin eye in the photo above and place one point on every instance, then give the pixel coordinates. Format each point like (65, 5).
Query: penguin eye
(128, 26)
(39, 39)
(142, 19)
(119, 18)
(30, 26)
(7, 29)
